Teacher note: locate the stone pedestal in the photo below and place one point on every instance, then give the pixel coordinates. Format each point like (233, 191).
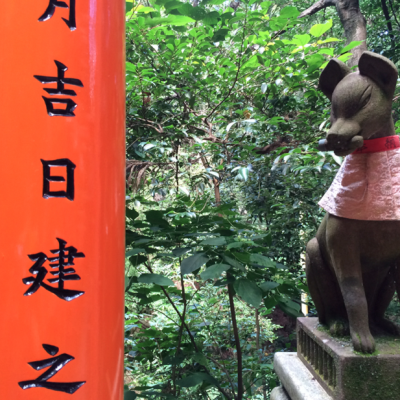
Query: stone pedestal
(297, 381)
(335, 369)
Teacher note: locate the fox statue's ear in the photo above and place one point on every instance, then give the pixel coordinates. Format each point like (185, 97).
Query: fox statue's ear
(333, 73)
(380, 69)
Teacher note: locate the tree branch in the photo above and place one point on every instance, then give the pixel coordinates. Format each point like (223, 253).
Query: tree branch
(178, 347)
(319, 5)
(352, 20)
(225, 370)
(394, 14)
(237, 343)
(240, 55)
(221, 390)
(385, 10)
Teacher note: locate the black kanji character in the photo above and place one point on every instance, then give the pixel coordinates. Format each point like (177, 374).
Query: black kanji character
(71, 21)
(361, 149)
(390, 143)
(66, 256)
(60, 91)
(56, 364)
(69, 193)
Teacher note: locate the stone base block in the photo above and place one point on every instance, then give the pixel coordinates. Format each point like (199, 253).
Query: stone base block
(344, 374)
(296, 379)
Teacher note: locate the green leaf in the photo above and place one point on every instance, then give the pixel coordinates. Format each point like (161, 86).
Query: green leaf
(218, 241)
(350, 46)
(197, 13)
(200, 358)
(129, 280)
(211, 18)
(278, 23)
(265, 5)
(180, 251)
(137, 260)
(262, 260)
(170, 46)
(302, 40)
(129, 395)
(238, 17)
(315, 61)
(248, 291)
(235, 245)
(220, 35)
(192, 263)
(171, 360)
(270, 302)
(242, 257)
(234, 263)
(129, 6)
(130, 67)
(214, 271)
(329, 40)
(134, 252)
(266, 286)
(145, 10)
(156, 218)
(290, 12)
(172, 5)
(319, 29)
(290, 308)
(156, 279)
(345, 57)
(151, 299)
(132, 214)
(196, 379)
(172, 20)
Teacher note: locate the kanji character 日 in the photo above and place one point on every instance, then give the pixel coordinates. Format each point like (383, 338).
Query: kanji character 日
(65, 258)
(55, 364)
(69, 191)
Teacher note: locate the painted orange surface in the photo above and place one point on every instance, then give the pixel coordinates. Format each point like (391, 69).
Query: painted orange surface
(90, 327)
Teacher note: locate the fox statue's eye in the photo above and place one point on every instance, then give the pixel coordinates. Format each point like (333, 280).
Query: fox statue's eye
(365, 97)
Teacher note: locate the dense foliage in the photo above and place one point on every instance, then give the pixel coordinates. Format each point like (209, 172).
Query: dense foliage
(223, 179)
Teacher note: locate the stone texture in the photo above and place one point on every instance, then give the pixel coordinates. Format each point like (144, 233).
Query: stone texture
(279, 393)
(297, 380)
(346, 375)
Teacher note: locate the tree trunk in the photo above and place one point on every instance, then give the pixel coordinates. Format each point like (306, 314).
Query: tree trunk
(353, 22)
(388, 21)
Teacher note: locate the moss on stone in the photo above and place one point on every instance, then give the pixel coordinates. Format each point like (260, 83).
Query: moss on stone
(369, 379)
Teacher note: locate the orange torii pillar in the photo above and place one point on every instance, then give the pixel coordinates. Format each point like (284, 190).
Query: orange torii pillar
(62, 155)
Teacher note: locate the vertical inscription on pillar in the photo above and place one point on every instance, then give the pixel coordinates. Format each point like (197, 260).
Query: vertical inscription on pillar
(54, 365)
(65, 258)
(60, 90)
(51, 8)
(69, 192)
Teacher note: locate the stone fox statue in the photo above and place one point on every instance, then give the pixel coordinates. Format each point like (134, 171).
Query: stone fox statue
(351, 264)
